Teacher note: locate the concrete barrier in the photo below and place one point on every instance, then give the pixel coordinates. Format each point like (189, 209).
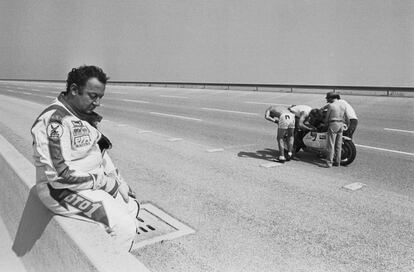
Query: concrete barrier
(47, 242)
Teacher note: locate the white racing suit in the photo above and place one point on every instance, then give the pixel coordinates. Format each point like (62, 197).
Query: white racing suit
(72, 170)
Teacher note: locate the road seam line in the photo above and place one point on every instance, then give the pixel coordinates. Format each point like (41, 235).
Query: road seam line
(176, 116)
(399, 130)
(266, 103)
(173, 96)
(230, 111)
(135, 101)
(384, 149)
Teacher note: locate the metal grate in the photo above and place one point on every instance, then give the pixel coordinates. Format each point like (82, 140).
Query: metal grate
(156, 226)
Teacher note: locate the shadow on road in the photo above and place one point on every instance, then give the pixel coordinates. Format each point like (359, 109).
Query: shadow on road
(266, 154)
(271, 154)
(33, 222)
(309, 157)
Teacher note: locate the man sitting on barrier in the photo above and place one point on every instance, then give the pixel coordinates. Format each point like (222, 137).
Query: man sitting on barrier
(75, 176)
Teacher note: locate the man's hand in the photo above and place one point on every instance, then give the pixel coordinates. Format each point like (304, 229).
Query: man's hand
(124, 191)
(113, 183)
(109, 184)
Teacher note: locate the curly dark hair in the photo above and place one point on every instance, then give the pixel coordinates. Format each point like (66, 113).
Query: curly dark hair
(315, 116)
(80, 75)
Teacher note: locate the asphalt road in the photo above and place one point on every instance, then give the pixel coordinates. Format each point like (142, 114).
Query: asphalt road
(198, 155)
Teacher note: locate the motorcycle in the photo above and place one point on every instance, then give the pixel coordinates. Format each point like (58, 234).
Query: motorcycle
(318, 141)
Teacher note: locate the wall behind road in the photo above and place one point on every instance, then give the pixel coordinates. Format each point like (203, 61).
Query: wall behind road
(320, 42)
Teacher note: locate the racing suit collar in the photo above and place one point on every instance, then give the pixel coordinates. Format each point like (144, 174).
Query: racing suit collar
(92, 118)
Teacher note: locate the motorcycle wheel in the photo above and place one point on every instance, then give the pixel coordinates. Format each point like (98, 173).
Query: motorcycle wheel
(348, 152)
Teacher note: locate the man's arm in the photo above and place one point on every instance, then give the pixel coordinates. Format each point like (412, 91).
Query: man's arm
(303, 124)
(269, 118)
(121, 185)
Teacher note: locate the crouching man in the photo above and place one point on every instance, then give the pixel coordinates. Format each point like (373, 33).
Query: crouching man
(286, 126)
(75, 176)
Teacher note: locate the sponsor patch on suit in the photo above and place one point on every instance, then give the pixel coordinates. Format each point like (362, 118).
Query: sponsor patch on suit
(80, 134)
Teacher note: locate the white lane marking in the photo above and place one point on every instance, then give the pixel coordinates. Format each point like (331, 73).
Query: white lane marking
(117, 92)
(10, 91)
(399, 130)
(173, 96)
(50, 96)
(35, 94)
(35, 90)
(229, 111)
(384, 149)
(176, 116)
(217, 92)
(270, 164)
(20, 88)
(238, 146)
(269, 103)
(174, 139)
(26, 93)
(144, 131)
(244, 94)
(135, 101)
(215, 150)
(354, 186)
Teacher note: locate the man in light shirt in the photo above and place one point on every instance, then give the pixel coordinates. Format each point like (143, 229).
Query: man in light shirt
(286, 126)
(351, 119)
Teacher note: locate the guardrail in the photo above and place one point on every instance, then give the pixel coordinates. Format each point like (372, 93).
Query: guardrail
(256, 87)
(253, 86)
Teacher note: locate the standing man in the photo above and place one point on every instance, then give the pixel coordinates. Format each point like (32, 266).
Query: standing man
(75, 176)
(286, 121)
(334, 122)
(351, 118)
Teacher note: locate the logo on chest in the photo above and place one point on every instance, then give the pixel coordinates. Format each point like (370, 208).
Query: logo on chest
(80, 134)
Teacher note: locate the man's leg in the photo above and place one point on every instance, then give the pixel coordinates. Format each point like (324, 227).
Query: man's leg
(93, 205)
(280, 135)
(330, 146)
(338, 146)
(291, 139)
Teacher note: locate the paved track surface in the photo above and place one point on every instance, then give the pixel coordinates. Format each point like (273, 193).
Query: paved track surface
(291, 217)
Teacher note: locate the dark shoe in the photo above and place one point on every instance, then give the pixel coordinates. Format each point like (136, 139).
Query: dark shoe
(336, 164)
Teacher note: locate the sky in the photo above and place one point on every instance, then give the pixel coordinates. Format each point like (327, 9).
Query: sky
(318, 42)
